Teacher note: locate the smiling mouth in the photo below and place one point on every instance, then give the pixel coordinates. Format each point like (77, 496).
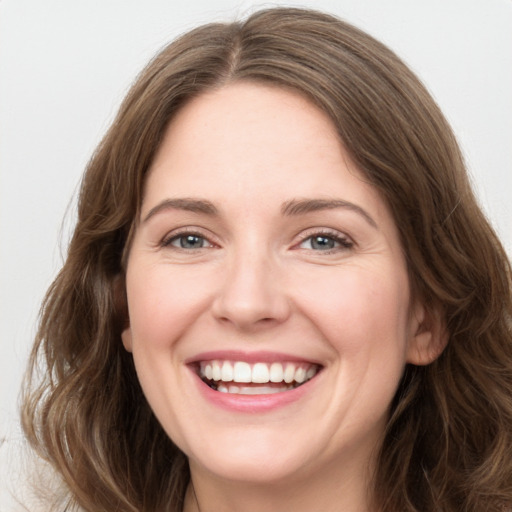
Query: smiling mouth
(243, 378)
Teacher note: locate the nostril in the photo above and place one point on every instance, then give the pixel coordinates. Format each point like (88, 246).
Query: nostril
(250, 293)
(247, 311)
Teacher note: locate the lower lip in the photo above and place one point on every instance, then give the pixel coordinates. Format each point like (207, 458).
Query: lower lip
(254, 403)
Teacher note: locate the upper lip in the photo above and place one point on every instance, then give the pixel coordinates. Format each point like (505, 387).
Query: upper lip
(250, 357)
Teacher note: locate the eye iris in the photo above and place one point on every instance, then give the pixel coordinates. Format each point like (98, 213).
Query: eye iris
(191, 242)
(322, 243)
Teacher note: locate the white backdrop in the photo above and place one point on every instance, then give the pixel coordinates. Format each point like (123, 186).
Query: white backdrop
(65, 66)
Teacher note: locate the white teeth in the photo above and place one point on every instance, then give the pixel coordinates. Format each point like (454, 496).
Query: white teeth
(216, 371)
(258, 373)
(242, 372)
(289, 373)
(276, 372)
(227, 372)
(300, 375)
(311, 373)
(246, 390)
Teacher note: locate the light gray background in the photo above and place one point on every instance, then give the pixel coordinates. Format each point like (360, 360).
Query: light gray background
(65, 66)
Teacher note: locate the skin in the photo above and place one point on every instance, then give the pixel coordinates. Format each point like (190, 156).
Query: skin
(256, 281)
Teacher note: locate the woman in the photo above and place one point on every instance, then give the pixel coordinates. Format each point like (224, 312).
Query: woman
(280, 294)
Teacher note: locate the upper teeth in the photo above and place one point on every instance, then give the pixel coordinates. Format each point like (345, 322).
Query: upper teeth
(259, 373)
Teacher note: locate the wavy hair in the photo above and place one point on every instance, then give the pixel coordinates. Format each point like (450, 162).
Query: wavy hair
(448, 443)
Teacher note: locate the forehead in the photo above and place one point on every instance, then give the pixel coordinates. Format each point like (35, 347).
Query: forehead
(250, 141)
(249, 116)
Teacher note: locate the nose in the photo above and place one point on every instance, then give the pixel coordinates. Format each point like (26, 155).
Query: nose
(252, 294)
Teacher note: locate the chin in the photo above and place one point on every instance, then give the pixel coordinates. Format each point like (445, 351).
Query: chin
(256, 468)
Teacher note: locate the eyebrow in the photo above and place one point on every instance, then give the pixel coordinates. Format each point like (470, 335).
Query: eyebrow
(303, 206)
(187, 204)
(290, 208)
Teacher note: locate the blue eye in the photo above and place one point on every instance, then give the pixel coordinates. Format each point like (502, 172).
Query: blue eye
(188, 241)
(325, 242)
(322, 243)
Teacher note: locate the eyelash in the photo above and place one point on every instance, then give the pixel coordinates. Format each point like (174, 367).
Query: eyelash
(341, 242)
(172, 237)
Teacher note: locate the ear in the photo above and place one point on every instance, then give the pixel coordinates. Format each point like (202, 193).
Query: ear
(428, 336)
(121, 311)
(126, 337)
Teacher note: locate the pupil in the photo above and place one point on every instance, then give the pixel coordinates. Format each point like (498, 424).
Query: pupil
(322, 243)
(191, 242)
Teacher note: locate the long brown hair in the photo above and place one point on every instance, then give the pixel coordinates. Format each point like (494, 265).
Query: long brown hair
(448, 444)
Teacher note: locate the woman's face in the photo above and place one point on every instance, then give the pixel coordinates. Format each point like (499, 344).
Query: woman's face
(269, 302)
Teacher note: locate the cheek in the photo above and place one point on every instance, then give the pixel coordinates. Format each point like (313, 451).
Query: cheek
(361, 310)
(163, 303)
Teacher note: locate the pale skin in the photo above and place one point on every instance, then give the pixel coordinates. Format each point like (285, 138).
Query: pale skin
(258, 235)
